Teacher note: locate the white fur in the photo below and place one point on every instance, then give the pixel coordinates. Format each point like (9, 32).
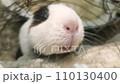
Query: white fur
(51, 33)
(24, 41)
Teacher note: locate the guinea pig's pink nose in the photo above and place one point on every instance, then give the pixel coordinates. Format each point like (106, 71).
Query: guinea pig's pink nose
(71, 29)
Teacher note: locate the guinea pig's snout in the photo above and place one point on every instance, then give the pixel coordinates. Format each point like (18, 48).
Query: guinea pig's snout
(71, 29)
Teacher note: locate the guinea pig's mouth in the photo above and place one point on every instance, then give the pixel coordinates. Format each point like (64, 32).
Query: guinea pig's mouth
(69, 47)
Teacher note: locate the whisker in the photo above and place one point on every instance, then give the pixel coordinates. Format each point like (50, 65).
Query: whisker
(89, 33)
(96, 39)
(91, 42)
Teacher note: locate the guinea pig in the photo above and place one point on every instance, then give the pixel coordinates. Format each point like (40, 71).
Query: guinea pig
(53, 29)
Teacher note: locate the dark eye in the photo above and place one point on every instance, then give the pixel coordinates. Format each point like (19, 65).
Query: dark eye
(44, 17)
(41, 15)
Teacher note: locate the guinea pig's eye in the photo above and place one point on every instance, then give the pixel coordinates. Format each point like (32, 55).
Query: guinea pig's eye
(44, 17)
(41, 15)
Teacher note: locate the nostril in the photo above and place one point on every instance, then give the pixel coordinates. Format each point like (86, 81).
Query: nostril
(67, 28)
(77, 29)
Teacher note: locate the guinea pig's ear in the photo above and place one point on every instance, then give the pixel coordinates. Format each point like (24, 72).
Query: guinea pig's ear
(40, 16)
